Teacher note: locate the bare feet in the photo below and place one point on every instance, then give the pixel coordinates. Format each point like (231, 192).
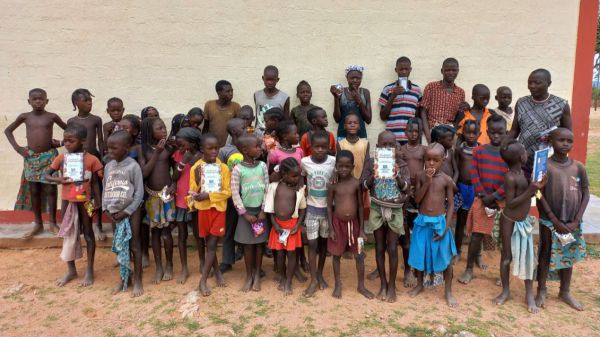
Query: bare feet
(391, 293)
(256, 281)
(168, 276)
(570, 300)
(409, 279)
(203, 288)
(337, 291)
(247, 284)
(138, 288)
(480, 263)
(322, 284)
(365, 292)
(118, 288)
(88, 279)
(373, 275)
(466, 277)
(183, 276)
(300, 276)
(287, 288)
(304, 266)
(66, 278)
(145, 261)
(456, 258)
(540, 298)
(531, 307)
(416, 290)
(37, 229)
(220, 279)
(98, 233)
(500, 299)
(53, 228)
(158, 275)
(281, 283)
(452, 302)
(312, 287)
(499, 282)
(382, 294)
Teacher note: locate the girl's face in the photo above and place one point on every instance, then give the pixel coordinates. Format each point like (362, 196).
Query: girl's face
(446, 141)
(291, 177)
(195, 121)
(471, 134)
(248, 117)
(352, 125)
(253, 149)
(72, 143)
(183, 145)
(126, 125)
(412, 133)
(115, 111)
(354, 79)
(304, 94)
(84, 104)
(159, 130)
(292, 137)
(271, 123)
(152, 113)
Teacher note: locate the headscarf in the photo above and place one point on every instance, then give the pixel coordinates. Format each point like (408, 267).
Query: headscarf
(354, 67)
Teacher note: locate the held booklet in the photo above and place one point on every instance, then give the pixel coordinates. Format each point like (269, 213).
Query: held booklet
(211, 178)
(384, 162)
(540, 164)
(73, 166)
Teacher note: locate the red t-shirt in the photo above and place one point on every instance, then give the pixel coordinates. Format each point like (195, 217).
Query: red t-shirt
(183, 184)
(307, 149)
(80, 191)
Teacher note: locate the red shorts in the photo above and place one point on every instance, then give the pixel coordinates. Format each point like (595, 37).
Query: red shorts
(211, 222)
(346, 236)
(294, 240)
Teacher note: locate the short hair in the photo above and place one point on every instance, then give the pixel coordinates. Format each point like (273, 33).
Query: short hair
(312, 113)
(114, 99)
(40, 90)
(440, 131)
(80, 92)
(479, 87)
(402, 59)
(270, 68)
(544, 72)
(207, 136)
(415, 120)
(319, 134)
(450, 60)
(283, 128)
(351, 113)
(121, 135)
(504, 149)
(345, 154)
(495, 118)
(76, 130)
(233, 123)
(221, 85)
(275, 112)
(560, 129)
(470, 122)
(503, 88)
(195, 111)
(385, 133)
(288, 164)
(134, 121)
(246, 108)
(301, 83)
(245, 139)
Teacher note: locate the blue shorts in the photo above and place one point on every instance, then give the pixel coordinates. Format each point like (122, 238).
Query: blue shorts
(464, 198)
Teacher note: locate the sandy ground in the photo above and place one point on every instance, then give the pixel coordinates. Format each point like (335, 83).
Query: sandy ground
(31, 305)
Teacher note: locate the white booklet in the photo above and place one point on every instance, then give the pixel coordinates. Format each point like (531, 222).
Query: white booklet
(385, 162)
(211, 178)
(73, 166)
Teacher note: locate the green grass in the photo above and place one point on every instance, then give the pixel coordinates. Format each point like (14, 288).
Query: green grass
(592, 251)
(593, 171)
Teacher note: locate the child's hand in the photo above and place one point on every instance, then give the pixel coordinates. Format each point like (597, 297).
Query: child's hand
(200, 196)
(275, 176)
(116, 217)
(56, 143)
(64, 180)
(429, 173)
(334, 91)
(171, 189)
(488, 200)
(332, 234)
(561, 228)
(398, 90)
(160, 147)
(363, 236)
(538, 185)
(250, 218)
(355, 95)
(573, 226)
(334, 178)
(464, 106)
(371, 182)
(23, 151)
(295, 229)
(437, 237)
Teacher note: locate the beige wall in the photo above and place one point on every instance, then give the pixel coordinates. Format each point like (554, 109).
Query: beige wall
(170, 56)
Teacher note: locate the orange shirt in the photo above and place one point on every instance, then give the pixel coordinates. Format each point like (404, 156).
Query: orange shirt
(307, 149)
(483, 137)
(80, 191)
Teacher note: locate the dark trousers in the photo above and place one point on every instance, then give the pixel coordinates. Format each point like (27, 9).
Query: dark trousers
(231, 219)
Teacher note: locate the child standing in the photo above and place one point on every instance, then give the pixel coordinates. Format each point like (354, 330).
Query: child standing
(516, 225)
(386, 218)
(317, 117)
(115, 109)
(352, 99)
(210, 188)
(272, 117)
(218, 112)
(123, 194)
(286, 206)
(37, 157)
(504, 98)
(479, 113)
(565, 198)
(444, 135)
(346, 232)
(75, 194)
(299, 113)
(318, 169)
(270, 97)
(187, 154)
(249, 181)
(355, 144)
(155, 161)
(432, 246)
(487, 177)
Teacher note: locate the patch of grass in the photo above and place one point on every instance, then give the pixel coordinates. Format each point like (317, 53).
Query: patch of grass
(593, 171)
(257, 330)
(217, 319)
(285, 332)
(109, 332)
(51, 318)
(593, 251)
(192, 325)
(262, 307)
(239, 327)
(418, 331)
(164, 326)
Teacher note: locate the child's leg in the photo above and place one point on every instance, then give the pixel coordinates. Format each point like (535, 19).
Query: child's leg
(392, 250)
(156, 251)
(70, 275)
(90, 241)
(258, 256)
(231, 219)
(182, 235)
(506, 229)
(419, 287)
(409, 279)
(36, 206)
(313, 247)
(530, 298)
(337, 290)
(97, 227)
(301, 263)
(472, 254)
(249, 251)
(145, 240)
(380, 247)
(199, 241)
(543, 265)
(168, 241)
(322, 250)
(360, 275)
(291, 270)
(280, 267)
(51, 196)
(452, 302)
(136, 249)
(211, 262)
(565, 289)
(461, 221)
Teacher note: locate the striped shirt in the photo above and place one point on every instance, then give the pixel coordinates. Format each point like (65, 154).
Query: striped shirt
(441, 105)
(404, 107)
(487, 171)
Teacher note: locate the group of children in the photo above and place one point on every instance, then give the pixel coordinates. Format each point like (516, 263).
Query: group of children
(285, 183)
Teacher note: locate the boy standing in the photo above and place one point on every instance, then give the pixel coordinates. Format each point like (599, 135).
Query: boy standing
(115, 109)
(270, 97)
(38, 155)
(479, 113)
(399, 104)
(504, 98)
(218, 112)
(317, 117)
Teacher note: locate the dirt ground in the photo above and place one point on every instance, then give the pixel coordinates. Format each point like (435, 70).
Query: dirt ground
(31, 305)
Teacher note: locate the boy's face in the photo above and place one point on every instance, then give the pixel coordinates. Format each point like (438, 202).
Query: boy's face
(304, 94)
(449, 72)
(117, 148)
(434, 159)
(320, 148)
(72, 143)
(412, 132)
(354, 79)
(37, 100)
(562, 141)
(226, 94)
(183, 145)
(126, 125)
(159, 130)
(403, 69)
(496, 132)
(270, 79)
(195, 121)
(247, 116)
(481, 97)
(271, 123)
(115, 111)
(538, 84)
(446, 140)
(344, 167)
(386, 139)
(352, 125)
(238, 130)
(471, 134)
(84, 104)
(210, 149)
(291, 177)
(152, 113)
(504, 97)
(253, 149)
(320, 119)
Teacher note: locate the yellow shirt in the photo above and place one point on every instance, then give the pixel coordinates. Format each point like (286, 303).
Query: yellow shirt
(217, 200)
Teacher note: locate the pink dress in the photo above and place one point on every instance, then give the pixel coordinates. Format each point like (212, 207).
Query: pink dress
(183, 184)
(277, 155)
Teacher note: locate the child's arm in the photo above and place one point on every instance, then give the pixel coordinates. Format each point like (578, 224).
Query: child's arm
(235, 192)
(585, 198)
(361, 213)
(138, 190)
(100, 136)
(275, 223)
(422, 185)
(449, 209)
(454, 167)
(23, 151)
(58, 180)
(403, 177)
(476, 181)
(261, 215)
(149, 165)
(96, 191)
(513, 200)
(330, 195)
(286, 109)
(301, 216)
(58, 121)
(337, 114)
(558, 225)
(367, 157)
(366, 108)
(367, 178)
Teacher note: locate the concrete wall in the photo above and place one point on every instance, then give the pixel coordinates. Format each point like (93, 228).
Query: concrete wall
(170, 56)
